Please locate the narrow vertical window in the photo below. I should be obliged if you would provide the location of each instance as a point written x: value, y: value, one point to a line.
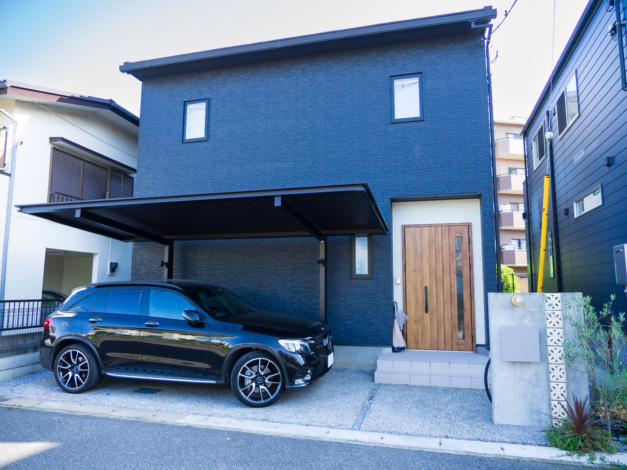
x: 3, y: 147
x: 568, y: 105
x: 537, y: 147
x: 362, y: 259
x: 196, y: 121
x: 407, y: 98
x: 459, y: 277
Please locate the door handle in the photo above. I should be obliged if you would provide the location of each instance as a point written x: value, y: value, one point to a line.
x: 152, y: 323
x: 426, y: 299
x: 95, y: 320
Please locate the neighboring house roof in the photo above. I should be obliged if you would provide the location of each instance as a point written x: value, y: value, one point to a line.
x: 20, y: 91
x: 329, y: 42
x: 569, y: 50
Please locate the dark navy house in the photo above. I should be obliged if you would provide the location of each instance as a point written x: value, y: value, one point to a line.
x: 327, y: 176
x: 577, y: 135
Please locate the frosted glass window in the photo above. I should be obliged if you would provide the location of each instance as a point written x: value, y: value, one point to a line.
x: 407, y: 98
x: 590, y: 201
x: 196, y: 114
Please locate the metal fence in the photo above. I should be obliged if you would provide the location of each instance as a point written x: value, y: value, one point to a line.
x: 21, y: 323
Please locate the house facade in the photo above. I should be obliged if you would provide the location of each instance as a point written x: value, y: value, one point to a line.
x: 510, y: 174
x: 395, y: 107
x: 576, y: 135
x: 57, y: 146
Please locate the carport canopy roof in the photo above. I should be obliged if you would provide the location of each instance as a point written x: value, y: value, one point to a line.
x: 315, y: 211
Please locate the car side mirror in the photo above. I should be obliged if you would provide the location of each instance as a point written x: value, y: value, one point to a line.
x: 192, y: 316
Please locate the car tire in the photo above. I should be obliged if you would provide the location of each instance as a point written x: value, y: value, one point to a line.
x: 76, y: 369
x: 257, y: 379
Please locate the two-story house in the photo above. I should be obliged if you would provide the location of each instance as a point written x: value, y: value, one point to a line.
x: 576, y: 135
x: 58, y: 146
x: 326, y: 176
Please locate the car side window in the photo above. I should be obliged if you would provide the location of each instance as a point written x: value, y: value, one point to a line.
x: 165, y: 304
x: 86, y: 303
x: 121, y: 301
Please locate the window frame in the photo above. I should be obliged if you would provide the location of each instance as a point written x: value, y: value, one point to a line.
x: 206, y: 128
x: 354, y: 274
x: 578, y: 214
x: 4, y: 139
x: 563, y: 97
x: 535, y: 143
x: 421, y: 117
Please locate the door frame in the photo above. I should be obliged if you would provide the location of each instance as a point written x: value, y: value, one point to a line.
x: 471, y: 327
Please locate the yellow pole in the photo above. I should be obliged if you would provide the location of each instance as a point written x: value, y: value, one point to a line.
x: 545, y: 215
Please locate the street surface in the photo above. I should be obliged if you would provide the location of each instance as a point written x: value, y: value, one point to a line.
x: 35, y: 439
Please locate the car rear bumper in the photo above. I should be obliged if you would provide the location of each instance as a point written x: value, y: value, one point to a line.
x: 45, y: 356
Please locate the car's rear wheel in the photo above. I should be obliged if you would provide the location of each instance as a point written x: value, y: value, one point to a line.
x: 76, y: 369
x: 257, y: 379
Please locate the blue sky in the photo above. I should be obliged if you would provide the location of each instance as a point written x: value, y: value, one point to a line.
x: 78, y: 45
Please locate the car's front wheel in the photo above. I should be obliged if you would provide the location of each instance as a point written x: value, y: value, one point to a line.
x: 76, y: 369
x: 257, y: 379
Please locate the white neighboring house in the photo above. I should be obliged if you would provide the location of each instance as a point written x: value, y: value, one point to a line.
x: 56, y: 147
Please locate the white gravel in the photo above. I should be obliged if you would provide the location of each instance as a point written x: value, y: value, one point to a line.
x: 344, y: 399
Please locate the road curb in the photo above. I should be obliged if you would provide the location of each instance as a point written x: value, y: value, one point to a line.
x: 457, y: 446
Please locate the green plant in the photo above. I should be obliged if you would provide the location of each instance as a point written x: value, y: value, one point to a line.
x: 509, y: 279
x: 598, y: 348
x: 581, y: 432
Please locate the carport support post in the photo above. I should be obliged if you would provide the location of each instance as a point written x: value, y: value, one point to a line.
x: 168, y: 261
x: 323, y: 280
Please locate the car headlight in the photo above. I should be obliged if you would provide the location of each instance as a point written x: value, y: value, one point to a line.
x: 299, y: 346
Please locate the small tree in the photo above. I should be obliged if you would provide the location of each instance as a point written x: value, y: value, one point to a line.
x: 509, y: 279
x: 599, y: 347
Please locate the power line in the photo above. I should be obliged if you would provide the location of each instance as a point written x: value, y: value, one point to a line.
x: 507, y: 12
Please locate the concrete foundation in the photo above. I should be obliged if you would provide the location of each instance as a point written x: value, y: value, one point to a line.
x: 19, y: 366
x: 358, y: 357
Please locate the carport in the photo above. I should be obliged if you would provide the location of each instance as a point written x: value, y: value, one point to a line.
x: 318, y: 212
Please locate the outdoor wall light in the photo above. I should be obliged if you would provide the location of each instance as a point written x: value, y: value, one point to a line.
x: 548, y: 135
x: 517, y: 300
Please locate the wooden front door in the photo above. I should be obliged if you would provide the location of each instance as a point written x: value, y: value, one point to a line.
x: 437, y: 262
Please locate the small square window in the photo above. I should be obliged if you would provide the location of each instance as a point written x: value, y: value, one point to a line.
x: 362, y: 257
x: 196, y: 121
x: 407, y: 98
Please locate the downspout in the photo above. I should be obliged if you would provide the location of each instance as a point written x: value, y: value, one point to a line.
x: 7, y: 225
x: 621, y: 51
x: 497, y: 238
x: 555, y: 238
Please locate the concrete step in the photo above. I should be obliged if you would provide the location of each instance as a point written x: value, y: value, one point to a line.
x: 431, y: 368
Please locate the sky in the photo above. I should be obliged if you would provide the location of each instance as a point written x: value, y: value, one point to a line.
x: 78, y: 46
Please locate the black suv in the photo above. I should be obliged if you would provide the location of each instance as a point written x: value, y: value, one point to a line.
x: 181, y: 331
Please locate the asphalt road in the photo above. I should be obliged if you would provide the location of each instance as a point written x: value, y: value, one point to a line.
x: 35, y: 439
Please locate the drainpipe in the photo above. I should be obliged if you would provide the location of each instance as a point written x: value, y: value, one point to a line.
x: 497, y: 238
x: 619, y: 33
x: 556, y: 238
x: 7, y: 225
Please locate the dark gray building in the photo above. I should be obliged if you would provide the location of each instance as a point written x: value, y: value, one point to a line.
x: 325, y: 176
x: 577, y: 134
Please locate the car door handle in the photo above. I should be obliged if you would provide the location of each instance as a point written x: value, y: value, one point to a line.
x: 95, y: 320
x: 152, y: 323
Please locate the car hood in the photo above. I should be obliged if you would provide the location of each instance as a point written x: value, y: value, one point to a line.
x: 277, y: 324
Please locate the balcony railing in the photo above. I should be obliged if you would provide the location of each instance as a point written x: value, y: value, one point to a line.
x: 510, y: 148
x: 60, y: 197
x: 512, y: 220
x: 510, y: 184
x: 513, y: 256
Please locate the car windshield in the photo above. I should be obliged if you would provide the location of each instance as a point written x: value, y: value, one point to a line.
x: 217, y: 302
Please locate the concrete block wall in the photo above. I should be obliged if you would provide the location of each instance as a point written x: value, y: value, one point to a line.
x: 19, y: 366
x: 527, y: 393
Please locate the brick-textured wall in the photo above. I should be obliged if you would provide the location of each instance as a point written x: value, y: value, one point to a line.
x: 317, y: 121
